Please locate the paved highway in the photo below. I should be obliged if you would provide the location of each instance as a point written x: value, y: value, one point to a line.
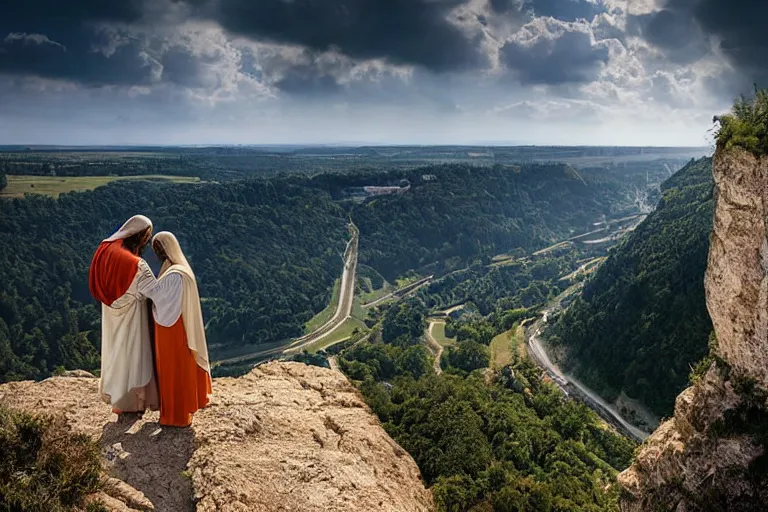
x: 346, y: 296
x: 568, y: 383
x: 343, y: 310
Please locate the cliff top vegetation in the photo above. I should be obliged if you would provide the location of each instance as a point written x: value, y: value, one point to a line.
x: 746, y: 126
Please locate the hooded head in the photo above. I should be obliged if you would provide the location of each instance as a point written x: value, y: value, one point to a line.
x: 167, y: 248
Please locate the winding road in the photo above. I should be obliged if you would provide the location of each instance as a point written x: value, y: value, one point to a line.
x: 343, y: 310
x: 567, y: 383
x: 346, y: 297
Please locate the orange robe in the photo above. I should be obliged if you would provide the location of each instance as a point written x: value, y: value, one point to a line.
x: 184, y: 386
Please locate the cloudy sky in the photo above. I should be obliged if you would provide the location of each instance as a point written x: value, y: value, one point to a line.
x: 615, y: 72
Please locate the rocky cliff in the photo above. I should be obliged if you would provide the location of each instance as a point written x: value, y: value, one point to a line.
x: 284, y: 437
x: 712, y: 454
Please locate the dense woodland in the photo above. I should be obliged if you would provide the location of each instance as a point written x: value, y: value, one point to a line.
x: 519, y: 284
x: 266, y: 251
x: 513, y: 443
x: 469, y: 213
x: 641, y: 323
x: 265, y: 254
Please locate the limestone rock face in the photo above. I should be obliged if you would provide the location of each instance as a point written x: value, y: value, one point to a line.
x: 707, y: 457
x: 285, y: 437
x: 737, y: 271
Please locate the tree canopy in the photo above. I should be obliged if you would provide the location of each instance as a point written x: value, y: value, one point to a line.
x: 641, y: 322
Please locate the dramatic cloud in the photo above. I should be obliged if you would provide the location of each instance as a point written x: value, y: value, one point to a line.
x: 566, y: 10
x: 417, y: 32
x: 552, y: 52
x: 438, y: 70
x: 57, y: 39
x: 688, y: 29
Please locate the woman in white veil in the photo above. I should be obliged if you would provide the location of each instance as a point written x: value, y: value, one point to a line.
x: 183, y: 369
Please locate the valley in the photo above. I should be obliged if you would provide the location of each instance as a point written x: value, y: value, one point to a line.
x: 445, y: 286
x: 404, y: 256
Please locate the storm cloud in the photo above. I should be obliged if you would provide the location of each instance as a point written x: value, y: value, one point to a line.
x: 64, y: 40
x: 566, y: 10
x: 416, y: 32
x: 438, y: 61
x: 551, y: 52
x: 687, y: 29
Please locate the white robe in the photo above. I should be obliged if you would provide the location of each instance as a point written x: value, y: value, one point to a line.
x: 176, y: 295
x: 127, y: 369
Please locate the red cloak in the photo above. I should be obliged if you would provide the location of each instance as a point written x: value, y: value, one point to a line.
x: 113, y: 269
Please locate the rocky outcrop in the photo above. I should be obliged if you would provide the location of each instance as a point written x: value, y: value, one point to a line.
x: 711, y: 454
x: 285, y: 437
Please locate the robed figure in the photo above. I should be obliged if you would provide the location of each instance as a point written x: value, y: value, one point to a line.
x: 121, y: 280
x: 181, y: 352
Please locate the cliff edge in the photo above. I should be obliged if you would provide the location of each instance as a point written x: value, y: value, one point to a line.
x: 285, y: 437
x: 712, y: 454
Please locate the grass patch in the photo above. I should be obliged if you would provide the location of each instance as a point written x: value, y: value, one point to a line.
x: 438, y: 333
x: 55, y: 185
x: 505, y: 346
x: 402, y: 282
x: 44, y: 467
x: 322, y: 317
x: 341, y: 333
x: 373, y: 295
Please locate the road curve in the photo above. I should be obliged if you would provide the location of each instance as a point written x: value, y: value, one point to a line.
x: 568, y: 383
x: 346, y: 296
x: 343, y: 310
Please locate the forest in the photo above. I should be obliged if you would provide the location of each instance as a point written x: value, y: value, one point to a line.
x: 264, y: 253
x: 518, y: 284
x: 471, y: 213
x: 505, y: 441
x: 641, y: 322
x: 267, y: 250
x: 266, y: 242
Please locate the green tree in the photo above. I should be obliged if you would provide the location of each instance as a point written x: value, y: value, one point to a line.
x: 641, y: 322
x: 414, y: 361
x: 468, y: 356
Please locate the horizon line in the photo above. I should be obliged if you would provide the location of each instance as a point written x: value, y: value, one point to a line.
x: 340, y: 145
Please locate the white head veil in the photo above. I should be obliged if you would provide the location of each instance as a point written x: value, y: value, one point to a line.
x: 173, y: 252
x: 135, y: 224
x: 191, y: 310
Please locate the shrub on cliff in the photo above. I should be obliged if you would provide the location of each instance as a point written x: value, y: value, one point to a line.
x: 44, y: 467
x: 746, y: 126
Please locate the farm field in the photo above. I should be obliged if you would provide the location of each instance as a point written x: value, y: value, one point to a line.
x: 438, y: 332
x: 55, y: 185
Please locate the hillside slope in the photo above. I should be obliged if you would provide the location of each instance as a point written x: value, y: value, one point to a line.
x: 469, y: 212
x: 284, y: 437
x: 266, y: 252
x: 641, y: 322
x: 711, y: 455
